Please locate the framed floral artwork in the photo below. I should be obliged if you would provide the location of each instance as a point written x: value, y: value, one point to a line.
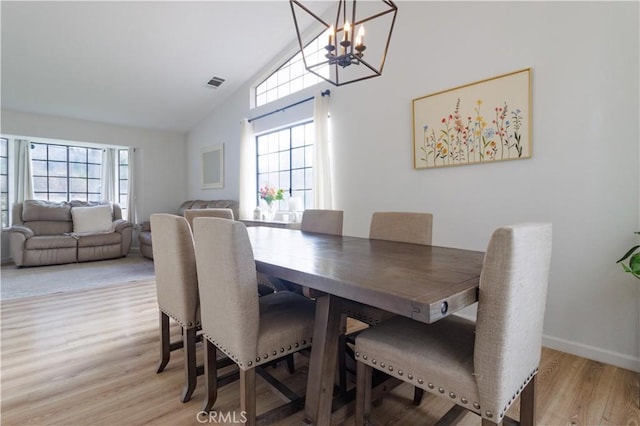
x: 481, y: 122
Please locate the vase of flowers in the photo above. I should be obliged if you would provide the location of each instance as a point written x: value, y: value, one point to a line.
x: 270, y: 194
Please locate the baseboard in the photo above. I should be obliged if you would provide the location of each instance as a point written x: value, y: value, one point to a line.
x: 585, y: 351
x: 591, y: 352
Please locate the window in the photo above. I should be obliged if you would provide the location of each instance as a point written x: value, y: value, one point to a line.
x: 123, y: 180
x: 65, y: 173
x: 4, y: 181
x: 292, y: 76
x: 284, y: 160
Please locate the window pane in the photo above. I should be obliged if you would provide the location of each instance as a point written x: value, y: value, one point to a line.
x: 58, y: 185
x: 53, y: 196
x: 78, y: 170
x: 263, y: 164
x: 57, y: 153
x: 308, y: 155
x: 39, y: 168
x: 297, y: 158
x: 297, y: 179
x: 40, y: 184
x: 57, y: 169
x: 94, y: 197
x: 95, y: 185
x: 3, y: 184
x: 94, y: 156
x: 297, y: 136
x: 81, y: 196
x: 77, y: 154
x: 77, y: 185
x: 123, y: 172
x: 284, y: 160
x: 95, y: 171
x: 3, y: 165
x: 124, y: 186
x: 124, y: 156
x: 38, y: 151
x: 284, y: 139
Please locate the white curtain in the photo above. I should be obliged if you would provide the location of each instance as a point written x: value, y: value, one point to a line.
x: 322, y: 159
x: 108, y: 184
x: 248, y: 190
x: 132, y: 214
x: 24, y: 181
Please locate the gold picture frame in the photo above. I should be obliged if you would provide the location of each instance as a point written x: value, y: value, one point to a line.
x: 481, y: 122
x: 213, y: 167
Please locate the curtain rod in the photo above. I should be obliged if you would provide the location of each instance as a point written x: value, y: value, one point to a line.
x: 266, y: 114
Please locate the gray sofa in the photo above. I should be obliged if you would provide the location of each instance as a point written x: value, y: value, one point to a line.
x: 44, y: 233
x: 144, y: 237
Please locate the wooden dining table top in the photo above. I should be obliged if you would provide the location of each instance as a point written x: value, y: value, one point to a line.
x: 421, y: 282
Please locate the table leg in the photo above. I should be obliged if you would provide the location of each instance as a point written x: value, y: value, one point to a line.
x: 322, y: 363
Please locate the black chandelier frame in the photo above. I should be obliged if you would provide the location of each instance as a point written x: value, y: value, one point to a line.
x: 353, y: 54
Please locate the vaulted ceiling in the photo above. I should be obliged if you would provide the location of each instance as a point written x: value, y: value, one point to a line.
x: 143, y: 64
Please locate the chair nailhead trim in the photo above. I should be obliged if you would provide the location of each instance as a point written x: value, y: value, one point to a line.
x: 274, y: 353
x: 441, y: 390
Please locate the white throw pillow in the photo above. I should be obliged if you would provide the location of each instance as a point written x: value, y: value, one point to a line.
x: 92, y: 220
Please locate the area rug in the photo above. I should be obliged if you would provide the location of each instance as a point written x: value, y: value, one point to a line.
x: 35, y: 281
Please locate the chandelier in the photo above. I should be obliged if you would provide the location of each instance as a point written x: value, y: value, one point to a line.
x: 334, y: 43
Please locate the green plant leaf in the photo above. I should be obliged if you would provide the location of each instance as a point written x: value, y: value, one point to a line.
x: 629, y: 253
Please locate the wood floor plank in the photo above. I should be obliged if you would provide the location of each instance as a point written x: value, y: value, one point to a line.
x: 88, y: 357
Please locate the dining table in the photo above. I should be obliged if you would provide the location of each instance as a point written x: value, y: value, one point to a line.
x: 425, y: 283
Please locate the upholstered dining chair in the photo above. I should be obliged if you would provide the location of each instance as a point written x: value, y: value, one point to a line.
x: 177, y: 291
x: 322, y: 221
x: 190, y: 214
x: 250, y: 330
x: 483, y: 366
x: 177, y: 294
x: 406, y: 227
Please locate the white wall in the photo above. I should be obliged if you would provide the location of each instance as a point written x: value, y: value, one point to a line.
x: 583, y: 177
x: 161, y: 175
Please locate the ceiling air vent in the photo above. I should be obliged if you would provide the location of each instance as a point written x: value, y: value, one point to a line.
x: 215, y: 82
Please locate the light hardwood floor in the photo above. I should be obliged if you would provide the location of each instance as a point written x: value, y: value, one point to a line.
x: 89, y: 358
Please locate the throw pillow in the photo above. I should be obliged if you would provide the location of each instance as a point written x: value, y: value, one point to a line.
x: 92, y: 220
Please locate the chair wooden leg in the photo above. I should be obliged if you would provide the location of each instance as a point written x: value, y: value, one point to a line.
x: 210, y: 376
x: 191, y: 374
x: 342, y: 363
x: 363, y: 393
x: 290, y: 364
x: 165, y: 351
x: 528, y: 404
x: 417, y: 395
x: 248, y: 395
